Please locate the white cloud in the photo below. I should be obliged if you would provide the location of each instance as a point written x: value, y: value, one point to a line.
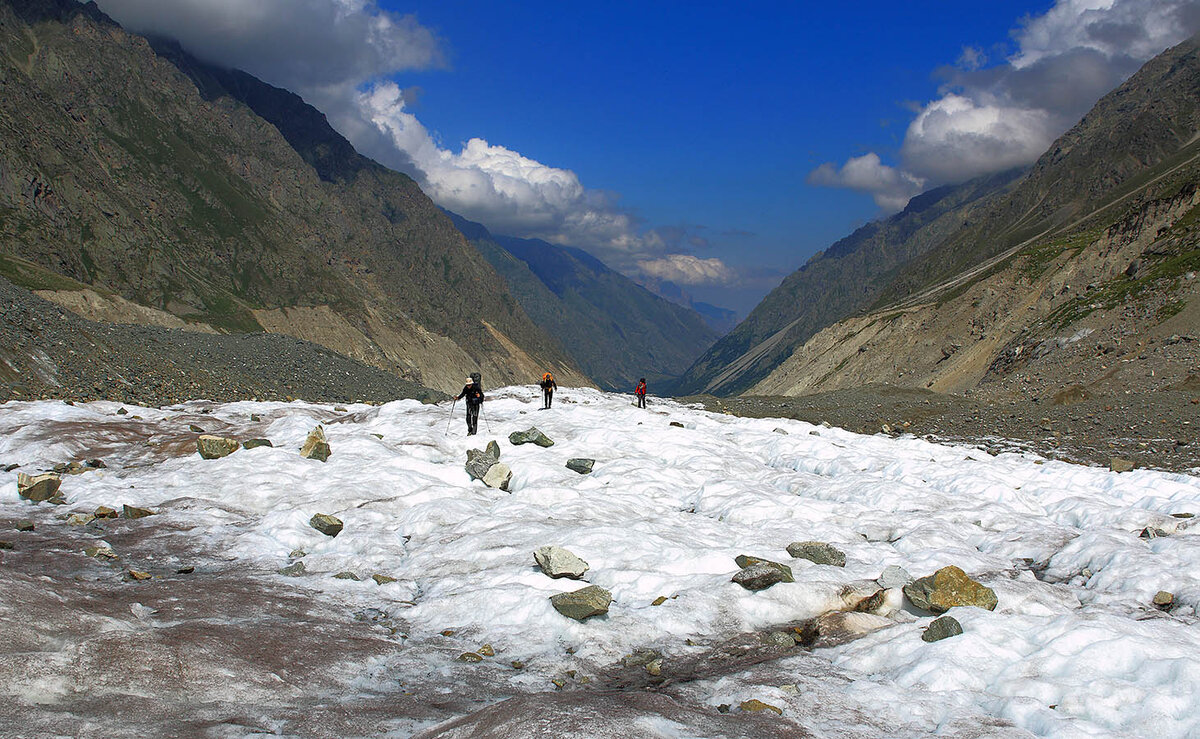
x: 891, y: 187
x: 685, y: 269
x: 990, y: 119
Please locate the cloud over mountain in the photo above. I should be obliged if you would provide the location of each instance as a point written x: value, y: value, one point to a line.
x: 989, y: 119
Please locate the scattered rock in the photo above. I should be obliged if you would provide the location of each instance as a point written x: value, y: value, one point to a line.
x: 498, y: 476
x: 862, y: 595
x: 818, y: 552
x: 382, y: 579
x: 582, y: 604
x: 894, y: 576
x: 641, y: 657
x: 256, y: 443
x: 677, y: 424
x: 215, y: 447
x: 104, y: 512
x: 122, y: 412
x: 487, y: 651
x: 11, y: 467
x: 1117, y: 464
x: 479, y: 462
x: 1164, y: 601
x: 194, y: 428
x: 347, y: 575
x: 754, y: 706
x: 654, y: 667
x: 129, y: 511
x: 6, y: 545
x: 659, y: 600
x: 558, y: 562
x: 779, y: 639
x: 940, y: 628
x: 295, y: 569
x: 297, y: 554
x: 339, y: 409
x: 759, y: 576
x: 493, y: 449
x: 1153, y: 532
x: 947, y: 588
x: 745, y: 560
x: 103, y: 551
x: 140, y: 575
x: 25, y: 525
x: 254, y: 417
x: 80, y: 519
x: 315, y: 446
x: 38, y: 488
x: 470, y: 657
x: 779, y: 431
x: 530, y: 436
x: 326, y: 524
x: 581, y: 465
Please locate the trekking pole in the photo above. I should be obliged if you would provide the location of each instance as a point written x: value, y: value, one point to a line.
x: 485, y: 421
x: 451, y: 416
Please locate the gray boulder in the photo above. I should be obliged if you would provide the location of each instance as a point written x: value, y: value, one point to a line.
x: 129, y: 511
x: 215, y: 447
x: 558, y: 562
x: 326, y: 524
x: 894, y: 576
x: 580, y: 465
x: 745, y: 560
x: 256, y: 443
x: 530, y: 436
x: 493, y: 449
x: 479, y: 462
x: 818, y: 552
x: 582, y: 604
x: 947, y: 588
x: 498, y: 476
x: 315, y: 446
x: 942, y: 628
x: 759, y: 576
x: 38, y: 487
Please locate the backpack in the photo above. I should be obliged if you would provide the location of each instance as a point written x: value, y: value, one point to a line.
x: 547, y: 379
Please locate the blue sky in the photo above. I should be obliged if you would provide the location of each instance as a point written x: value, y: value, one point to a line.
x: 713, y: 146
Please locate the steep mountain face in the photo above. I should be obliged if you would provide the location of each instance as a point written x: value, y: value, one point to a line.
x: 847, y: 277
x: 228, y: 203
x: 1081, y: 281
x: 616, y: 330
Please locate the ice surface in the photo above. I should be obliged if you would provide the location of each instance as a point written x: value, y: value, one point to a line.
x: 1075, y: 647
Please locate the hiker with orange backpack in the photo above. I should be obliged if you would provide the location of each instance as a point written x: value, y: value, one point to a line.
x: 640, y: 392
x: 548, y: 386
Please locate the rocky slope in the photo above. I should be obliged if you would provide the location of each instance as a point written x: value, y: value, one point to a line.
x: 616, y: 330
x: 222, y: 201
x: 1101, y: 299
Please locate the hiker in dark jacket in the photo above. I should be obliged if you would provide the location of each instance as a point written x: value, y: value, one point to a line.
x: 640, y: 392
x: 473, y: 392
x: 548, y: 386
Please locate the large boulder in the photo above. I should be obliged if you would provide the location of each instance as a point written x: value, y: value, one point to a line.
x: 326, y: 524
x: 558, y: 562
x: 581, y: 465
x: 582, y: 604
x: 942, y: 627
x: 480, y: 461
x: 498, y: 476
x: 315, y: 446
x: 530, y: 436
x: 746, y: 560
x: 947, y: 588
x: 215, y: 447
x: 38, y: 487
x: 759, y: 576
x: 818, y: 552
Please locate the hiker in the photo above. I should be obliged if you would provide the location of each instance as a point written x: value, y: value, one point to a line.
x: 548, y: 386
x: 640, y: 392
x: 473, y: 392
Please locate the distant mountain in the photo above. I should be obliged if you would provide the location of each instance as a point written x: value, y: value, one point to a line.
x: 616, y: 330
x: 1082, y: 280
x: 847, y: 277
x: 145, y: 174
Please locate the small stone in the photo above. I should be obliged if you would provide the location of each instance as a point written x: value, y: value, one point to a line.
x: 492, y: 449
x: 6, y: 545
x: 297, y: 554
x: 1164, y: 600
x: 378, y: 436
x: 38, y: 487
x: 469, y: 657
x: 448, y: 632
x: 818, y: 552
x: 1153, y: 532
x: 894, y: 576
x: 530, y: 436
x: 759, y: 577
x: 745, y: 560
x: 754, y: 706
x: 122, y: 412
x: 659, y: 600
x: 677, y: 424
x: 583, y: 603
x: 326, y: 524
x: 295, y: 569
x: 557, y: 562
x: 724, y: 708
x: 80, y: 519
x: 1117, y: 464
x: 487, y: 651
x: 129, y: 511
x: 25, y: 525
x: 779, y: 639
x: 104, y: 512
x: 255, y: 417
x: 517, y: 664
x: 347, y: 575
x: 947, y: 588
x: 382, y: 579
x: 215, y: 447
x: 581, y: 465
x: 655, y: 667
x: 103, y: 551
x: 942, y: 628
x: 96, y: 464
x: 779, y: 431
x: 140, y: 575
x: 315, y: 445
x: 185, y: 570
x: 498, y: 476
x: 193, y: 427
x: 339, y: 409
x: 256, y: 443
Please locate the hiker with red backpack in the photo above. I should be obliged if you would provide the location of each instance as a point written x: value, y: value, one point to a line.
x: 473, y: 392
x: 640, y: 392
x: 548, y: 386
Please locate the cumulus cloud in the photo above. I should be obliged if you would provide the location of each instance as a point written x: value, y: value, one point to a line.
x: 988, y: 119
x: 685, y: 269
x: 891, y: 187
